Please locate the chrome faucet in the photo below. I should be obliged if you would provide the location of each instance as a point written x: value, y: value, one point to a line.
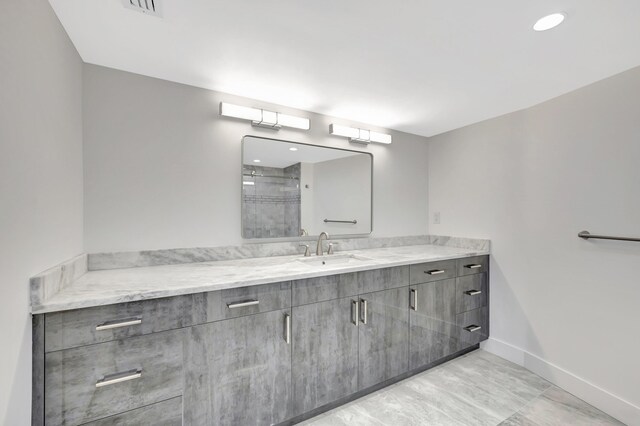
x: 319, y: 251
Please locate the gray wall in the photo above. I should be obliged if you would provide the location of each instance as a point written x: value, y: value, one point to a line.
x: 162, y: 168
x: 342, y: 191
x: 530, y: 181
x: 40, y: 177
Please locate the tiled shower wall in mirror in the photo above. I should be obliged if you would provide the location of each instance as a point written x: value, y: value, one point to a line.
x: 270, y: 201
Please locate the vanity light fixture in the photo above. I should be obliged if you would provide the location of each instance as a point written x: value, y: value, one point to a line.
x: 263, y: 118
x: 293, y: 148
x: 550, y: 21
x: 359, y: 135
x: 256, y: 161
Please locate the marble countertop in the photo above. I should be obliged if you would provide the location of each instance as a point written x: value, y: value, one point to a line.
x: 96, y: 288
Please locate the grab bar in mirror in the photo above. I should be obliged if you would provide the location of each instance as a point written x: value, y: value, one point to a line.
x: 254, y: 175
x: 586, y: 235
x: 340, y: 221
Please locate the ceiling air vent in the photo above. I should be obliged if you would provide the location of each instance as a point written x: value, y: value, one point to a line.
x: 148, y: 7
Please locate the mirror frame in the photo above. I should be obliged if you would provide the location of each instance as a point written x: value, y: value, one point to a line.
x: 307, y: 237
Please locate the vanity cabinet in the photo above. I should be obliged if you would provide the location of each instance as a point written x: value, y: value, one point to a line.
x: 165, y: 413
x: 238, y: 371
x: 257, y: 355
x: 325, y: 352
x: 472, y: 300
x: 383, y: 336
x: 473, y: 326
x: 434, y: 333
x: 92, y: 382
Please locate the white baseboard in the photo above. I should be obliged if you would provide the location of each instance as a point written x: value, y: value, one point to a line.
x: 611, y: 404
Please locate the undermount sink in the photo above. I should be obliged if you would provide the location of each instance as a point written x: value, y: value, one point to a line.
x: 333, y: 260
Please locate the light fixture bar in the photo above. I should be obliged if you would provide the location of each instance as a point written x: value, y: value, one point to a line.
x: 357, y: 135
x: 263, y: 118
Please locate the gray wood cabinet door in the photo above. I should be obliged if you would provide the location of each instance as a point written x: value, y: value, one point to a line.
x: 383, y: 335
x: 325, y: 353
x: 433, y: 329
x: 238, y: 371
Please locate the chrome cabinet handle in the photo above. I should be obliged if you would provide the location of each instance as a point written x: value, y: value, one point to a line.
x: 287, y: 328
x: 354, y: 312
x: 473, y: 266
x: 472, y: 328
x: 435, y: 272
x: 473, y: 292
x: 108, y: 325
x: 112, y: 379
x: 242, y: 304
x: 364, y: 311
x: 414, y: 299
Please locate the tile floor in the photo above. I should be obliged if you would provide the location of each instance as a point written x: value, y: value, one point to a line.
x: 476, y: 389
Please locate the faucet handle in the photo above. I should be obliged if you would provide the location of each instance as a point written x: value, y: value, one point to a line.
x: 331, y: 245
x: 307, y: 253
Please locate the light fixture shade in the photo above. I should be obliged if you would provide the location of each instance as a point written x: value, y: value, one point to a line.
x: 263, y: 118
x: 364, y: 135
x: 346, y: 131
x: 269, y: 118
x: 380, y: 137
x: 237, y: 111
x: 293, y: 121
x: 359, y: 135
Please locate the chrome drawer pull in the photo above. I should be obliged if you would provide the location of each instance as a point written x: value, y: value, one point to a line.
x: 472, y: 328
x: 435, y: 272
x: 242, y: 304
x: 108, y: 325
x: 473, y: 266
x: 287, y: 328
x: 473, y: 292
x: 354, y: 312
x: 414, y: 299
x: 364, y: 311
x: 112, y: 379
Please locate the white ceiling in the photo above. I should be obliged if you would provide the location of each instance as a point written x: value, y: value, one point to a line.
x: 273, y: 153
x: 420, y: 66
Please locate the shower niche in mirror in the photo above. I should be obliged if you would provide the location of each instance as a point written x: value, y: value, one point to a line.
x: 294, y: 190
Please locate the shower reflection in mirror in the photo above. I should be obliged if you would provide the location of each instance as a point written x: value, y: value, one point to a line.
x: 289, y: 189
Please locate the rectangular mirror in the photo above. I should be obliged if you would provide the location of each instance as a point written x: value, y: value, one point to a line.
x: 291, y: 190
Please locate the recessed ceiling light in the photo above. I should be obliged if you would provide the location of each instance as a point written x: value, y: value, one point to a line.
x: 549, y: 21
x: 256, y: 161
x: 293, y: 149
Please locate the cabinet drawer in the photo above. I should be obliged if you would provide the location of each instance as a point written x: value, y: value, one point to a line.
x: 383, y: 279
x: 468, y: 323
x: 79, y: 327
x: 238, y: 302
x: 320, y: 289
x: 432, y: 271
x: 93, y: 382
x: 471, y: 292
x: 473, y: 265
x: 165, y: 413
